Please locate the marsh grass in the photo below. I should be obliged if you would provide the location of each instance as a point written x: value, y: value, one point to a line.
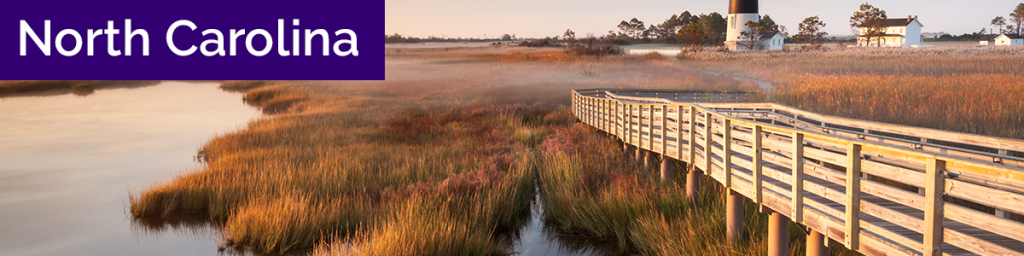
x: 591, y: 189
x: 361, y: 170
x: 439, y: 156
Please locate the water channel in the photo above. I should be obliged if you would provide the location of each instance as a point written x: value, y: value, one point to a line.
x: 68, y: 161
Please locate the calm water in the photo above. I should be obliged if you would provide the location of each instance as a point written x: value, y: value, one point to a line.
x: 67, y: 163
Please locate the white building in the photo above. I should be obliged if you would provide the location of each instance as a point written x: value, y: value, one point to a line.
x: 898, y: 33
x: 772, y: 41
x: 1009, y: 39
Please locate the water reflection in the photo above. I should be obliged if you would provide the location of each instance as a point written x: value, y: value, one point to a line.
x: 67, y: 163
x: 540, y: 239
x: 83, y: 89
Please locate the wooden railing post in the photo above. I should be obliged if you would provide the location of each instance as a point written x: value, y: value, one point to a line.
x: 679, y: 132
x: 935, y: 186
x: 798, y: 177
x: 853, y: 196
x: 600, y: 116
x: 707, y: 142
x: 650, y: 128
x: 664, y: 139
x: 1000, y: 212
x: 629, y: 123
x: 727, y: 153
x: 693, y: 136
x: 590, y: 111
x: 618, y: 120
x: 757, y: 175
x: 640, y: 127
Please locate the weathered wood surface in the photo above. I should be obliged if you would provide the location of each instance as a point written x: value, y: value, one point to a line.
x: 881, y: 189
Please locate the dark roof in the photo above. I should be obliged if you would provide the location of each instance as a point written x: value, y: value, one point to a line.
x: 901, y: 22
x: 769, y: 34
x: 1013, y: 36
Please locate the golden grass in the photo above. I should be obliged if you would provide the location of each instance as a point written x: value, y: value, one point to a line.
x: 591, y: 189
x: 434, y: 160
x: 987, y: 104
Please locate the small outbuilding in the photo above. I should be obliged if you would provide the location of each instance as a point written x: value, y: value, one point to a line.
x: 772, y: 41
x: 1009, y: 39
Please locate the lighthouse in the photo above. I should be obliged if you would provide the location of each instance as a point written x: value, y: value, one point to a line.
x: 740, y: 12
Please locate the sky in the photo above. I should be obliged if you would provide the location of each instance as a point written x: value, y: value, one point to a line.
x: 542, y: 18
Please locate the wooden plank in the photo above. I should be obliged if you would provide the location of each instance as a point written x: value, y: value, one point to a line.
x: 831, y: 228
x: 903, y: 175
x: 984, y: 195
x: 906, y: 221
x: 982, y: 220
x: 825, y: 192
x: 825, y: 156
x: 871, y: 246
x: 893, y: 194
x: 743, y: 187
x: 777, y: 203
x: 974, y: 245
x: 756, y: 154
x: 900, y: 240
x: 797, y: 177
x: 853, y: 197
x: 933, y: 215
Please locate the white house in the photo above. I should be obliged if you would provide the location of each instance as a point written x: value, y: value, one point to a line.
x: 771, y: 41
x: 1009, y: 39
x: 898, y: 33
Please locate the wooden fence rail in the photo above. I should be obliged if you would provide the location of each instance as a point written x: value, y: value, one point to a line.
x: 877, y: 188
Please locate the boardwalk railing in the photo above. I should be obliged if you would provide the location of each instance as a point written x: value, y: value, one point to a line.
x: 880, y: 189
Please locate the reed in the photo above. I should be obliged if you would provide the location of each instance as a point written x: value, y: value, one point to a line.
x: 589, y: 188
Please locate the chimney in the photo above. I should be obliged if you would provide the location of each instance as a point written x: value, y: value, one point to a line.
x: 909, y: 18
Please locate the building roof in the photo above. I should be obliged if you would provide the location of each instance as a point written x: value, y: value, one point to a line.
x: 769, y: 34
x: 1013, y: 36
x: 900, y: 22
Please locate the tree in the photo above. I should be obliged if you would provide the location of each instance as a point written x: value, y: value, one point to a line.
x: 871, y: 21
x: 766, y: 23
x: 634, y: 28
x: 570, y: 37
x: 692, y: 35
x: 751, y: 33
x: 1000, y: 23
x: 1017, y: 17
x: 811, y: 31
x: 714, y: 27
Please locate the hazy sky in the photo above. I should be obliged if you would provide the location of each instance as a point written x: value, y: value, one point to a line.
x: 540, y: 18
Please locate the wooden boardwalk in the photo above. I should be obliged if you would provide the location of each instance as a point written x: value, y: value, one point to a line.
x: 879, y: 189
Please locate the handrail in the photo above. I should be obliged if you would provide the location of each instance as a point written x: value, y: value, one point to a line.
x: 877, y: 188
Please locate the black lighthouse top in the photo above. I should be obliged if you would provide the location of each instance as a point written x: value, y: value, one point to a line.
x: 742, y: 6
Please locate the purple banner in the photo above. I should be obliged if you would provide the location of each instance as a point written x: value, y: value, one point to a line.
x: 192, y: 40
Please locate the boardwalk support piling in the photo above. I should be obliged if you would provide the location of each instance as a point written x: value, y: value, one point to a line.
x: 666, y: 169
x: 648, y: 159
x: 778, y: 234
x: 734, y: 216
x: 693, y: 185
x: 639, y: 156
x: 816, y: 244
